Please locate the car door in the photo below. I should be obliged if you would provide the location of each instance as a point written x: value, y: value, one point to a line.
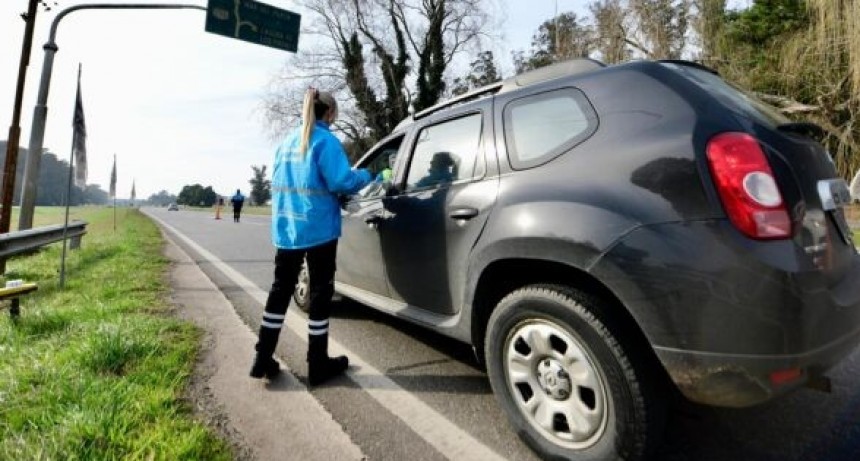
x: 359, y: 254
x: 441, y: 205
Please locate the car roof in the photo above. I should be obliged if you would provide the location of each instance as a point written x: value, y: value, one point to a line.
x: 554, y: 71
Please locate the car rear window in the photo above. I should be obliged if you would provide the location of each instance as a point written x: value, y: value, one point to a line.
x: 732, y: 96
x: 542, y: 126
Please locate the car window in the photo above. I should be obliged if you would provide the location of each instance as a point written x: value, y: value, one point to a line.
x: 446, y: 152
x: 380, y: 159
x: 540, y: 127
x: 734, y: 97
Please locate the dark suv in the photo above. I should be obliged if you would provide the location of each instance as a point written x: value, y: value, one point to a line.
x: 601, y: 234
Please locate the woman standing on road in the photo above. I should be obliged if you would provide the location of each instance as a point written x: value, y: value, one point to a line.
x: 310, y: 170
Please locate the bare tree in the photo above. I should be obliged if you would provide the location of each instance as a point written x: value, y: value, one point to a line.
x: 610, y: 32
x: 387, y: 56
x: 661, y: 27
x: 483, y: 71
x: 708, y: 25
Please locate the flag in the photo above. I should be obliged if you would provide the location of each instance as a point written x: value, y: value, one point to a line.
x: 79, y: 139
x: 133, y: 195
x: 113, y: 179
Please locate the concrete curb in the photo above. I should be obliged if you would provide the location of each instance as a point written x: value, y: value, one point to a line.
x: 275, y: 420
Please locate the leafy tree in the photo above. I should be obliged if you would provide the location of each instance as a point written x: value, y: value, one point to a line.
x: 162, y: 198
x: 766, y: 21
x: 564, y: 37
x: 261, y: 188
x: 93, y: 194
x: 483, y: 72
x: 53, y: 182
x: 197, y: 195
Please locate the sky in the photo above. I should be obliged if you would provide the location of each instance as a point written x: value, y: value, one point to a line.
x: 175, y: 104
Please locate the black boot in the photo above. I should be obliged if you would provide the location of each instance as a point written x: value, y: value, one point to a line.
x: 264, y: 364
x: 321, y: 367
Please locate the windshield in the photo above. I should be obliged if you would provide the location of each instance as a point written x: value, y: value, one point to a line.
x: 734, y: 97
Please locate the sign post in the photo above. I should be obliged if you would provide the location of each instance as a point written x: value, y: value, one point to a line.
x: 254, y: 22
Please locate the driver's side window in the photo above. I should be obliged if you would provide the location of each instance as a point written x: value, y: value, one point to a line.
x: 381, y: 159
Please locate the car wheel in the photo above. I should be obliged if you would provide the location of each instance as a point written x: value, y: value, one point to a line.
x: 568, y: 379
x: 302, y: 291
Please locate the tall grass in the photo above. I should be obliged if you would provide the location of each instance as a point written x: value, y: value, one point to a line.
x: 98, y: 371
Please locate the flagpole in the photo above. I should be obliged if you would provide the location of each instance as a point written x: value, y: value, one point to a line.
x: 69, y: 195
x: 113, y: 190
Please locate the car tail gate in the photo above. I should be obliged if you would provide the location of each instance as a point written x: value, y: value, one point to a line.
x: 778, y: 184
x: 822, y: 230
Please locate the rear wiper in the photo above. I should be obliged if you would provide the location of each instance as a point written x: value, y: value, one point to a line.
x: 808, y: 129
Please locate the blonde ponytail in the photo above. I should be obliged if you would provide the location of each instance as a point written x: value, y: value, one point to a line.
x: 318, y: 104
x: 308, y: 119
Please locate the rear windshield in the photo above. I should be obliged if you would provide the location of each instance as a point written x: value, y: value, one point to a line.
x: 732, y: 96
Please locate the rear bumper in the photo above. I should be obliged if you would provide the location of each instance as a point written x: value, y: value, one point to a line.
x: 733, y: 322
x: 733, y: 380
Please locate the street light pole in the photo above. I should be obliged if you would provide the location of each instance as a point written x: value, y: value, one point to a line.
x: 40, y: 112
x: 11, y: 163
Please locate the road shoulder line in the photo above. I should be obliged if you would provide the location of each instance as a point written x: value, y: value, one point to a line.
x: 446, y: 437
x: 272, y: 418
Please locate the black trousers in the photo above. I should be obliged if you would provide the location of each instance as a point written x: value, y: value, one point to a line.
x: 237, y: 210
x: 288, y: 264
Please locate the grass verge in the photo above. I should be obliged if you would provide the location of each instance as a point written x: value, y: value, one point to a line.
x: 98, y: 370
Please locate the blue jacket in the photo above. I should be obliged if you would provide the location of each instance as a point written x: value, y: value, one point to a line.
x: 305, y: 186
x: 237, y: 200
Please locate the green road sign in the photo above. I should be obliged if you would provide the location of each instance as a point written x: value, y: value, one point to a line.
x: 254, y: 22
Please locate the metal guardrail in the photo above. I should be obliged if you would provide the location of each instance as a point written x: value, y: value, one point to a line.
x: 19, y: 242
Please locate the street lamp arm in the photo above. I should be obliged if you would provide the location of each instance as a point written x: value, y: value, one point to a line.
x: 114, y: 6
x: 40, y: 111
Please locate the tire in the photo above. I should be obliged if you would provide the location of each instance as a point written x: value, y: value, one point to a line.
x: 302, y: 292
x: 574, y: 384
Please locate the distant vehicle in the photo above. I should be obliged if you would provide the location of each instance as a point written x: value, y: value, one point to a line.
x: 173, y: 207
x: 604, y: 234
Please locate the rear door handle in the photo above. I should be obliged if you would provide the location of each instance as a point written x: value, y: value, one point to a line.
x: 463, y: 213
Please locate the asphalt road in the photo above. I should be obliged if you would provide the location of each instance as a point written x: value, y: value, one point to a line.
x: 421, y: 396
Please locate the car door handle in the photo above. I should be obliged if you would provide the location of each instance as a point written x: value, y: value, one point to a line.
x: 463, y: 213
x: 373, y: 219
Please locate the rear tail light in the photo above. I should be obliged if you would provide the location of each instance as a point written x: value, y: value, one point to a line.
x: 747, y: 187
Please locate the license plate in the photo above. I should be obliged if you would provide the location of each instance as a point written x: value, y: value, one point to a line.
x: 834, y: 194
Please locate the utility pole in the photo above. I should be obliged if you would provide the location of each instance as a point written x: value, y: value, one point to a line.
x: 40, y: 112
x: 11, y: 163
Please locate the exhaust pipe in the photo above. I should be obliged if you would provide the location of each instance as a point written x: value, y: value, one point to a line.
x: 819, y: 383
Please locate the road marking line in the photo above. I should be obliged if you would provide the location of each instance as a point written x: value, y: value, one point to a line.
x: 445, y: 436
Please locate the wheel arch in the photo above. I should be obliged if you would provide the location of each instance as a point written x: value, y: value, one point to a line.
x: 501, y: 277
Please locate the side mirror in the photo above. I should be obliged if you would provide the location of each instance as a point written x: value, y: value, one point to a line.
x: 391, y: 189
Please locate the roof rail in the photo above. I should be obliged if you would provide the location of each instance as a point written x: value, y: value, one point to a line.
x: 474, y: 94
x: 559, y: 69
